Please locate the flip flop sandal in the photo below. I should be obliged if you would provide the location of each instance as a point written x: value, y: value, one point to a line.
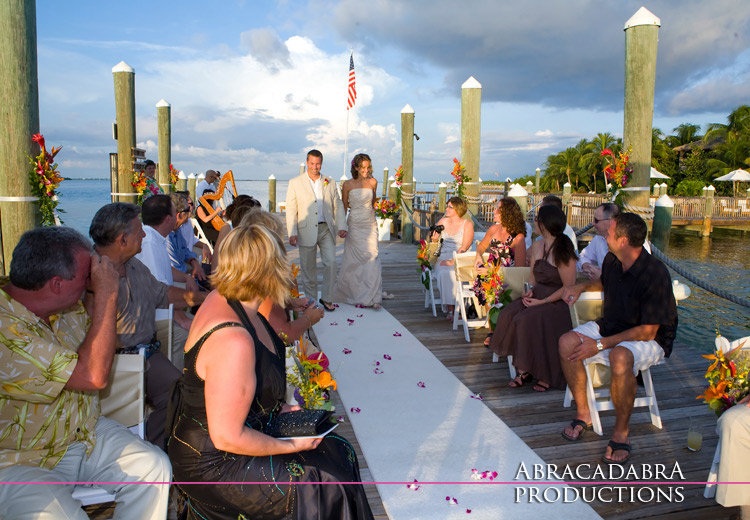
x: 327, y: 305
x: 573, y: 424
x: 487, y: 340
x: 520, y: 380
x: 539, y: 387
x: 617, y: 446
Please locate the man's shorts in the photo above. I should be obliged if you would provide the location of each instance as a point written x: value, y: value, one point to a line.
x: 645, y: 353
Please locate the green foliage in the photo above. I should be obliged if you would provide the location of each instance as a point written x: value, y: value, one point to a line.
x: 689, y: 188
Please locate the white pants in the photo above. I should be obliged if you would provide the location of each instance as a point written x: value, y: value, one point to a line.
x: 309, y: 268
x: 645, y: 353
x: 118, y: 456
x: 734, y: 466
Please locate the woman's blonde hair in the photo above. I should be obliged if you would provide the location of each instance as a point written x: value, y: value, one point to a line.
x: 459, y: 205
x: 265, y: 219
x: 253, y: 265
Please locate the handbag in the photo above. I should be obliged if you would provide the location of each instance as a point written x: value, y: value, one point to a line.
x: 302, y: 423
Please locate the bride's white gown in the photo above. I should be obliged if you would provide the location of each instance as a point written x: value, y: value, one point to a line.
x: 359, y: 280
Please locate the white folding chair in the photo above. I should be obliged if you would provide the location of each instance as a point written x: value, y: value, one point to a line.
x: 725, y: 346
x: 200, y: 234
x: 429, y: 293
x: 463, y: 266
x: 123, y: 400
x: 514, y: 278
x: 167, y: 315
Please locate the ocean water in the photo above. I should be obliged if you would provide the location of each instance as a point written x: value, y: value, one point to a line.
x: 722, y: 259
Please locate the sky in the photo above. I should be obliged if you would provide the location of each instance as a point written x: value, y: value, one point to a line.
x: 253, y: 85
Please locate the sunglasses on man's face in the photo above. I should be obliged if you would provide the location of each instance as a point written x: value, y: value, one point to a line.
x: 597, y: 220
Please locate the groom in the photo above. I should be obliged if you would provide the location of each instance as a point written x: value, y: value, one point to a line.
x: 314, y: 214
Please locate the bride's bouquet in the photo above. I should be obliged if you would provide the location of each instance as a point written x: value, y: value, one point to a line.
x: 385, y: 208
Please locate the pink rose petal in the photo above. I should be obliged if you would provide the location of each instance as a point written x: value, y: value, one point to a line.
x: 378, y: 371
x: 340, y: 418
x: 386, y: 356
x: 360, y: 315
x: 421, y: 384
x: 415, y: 486
x: 468, y: 510
x: 354, y: 409
x: 346, y: 351
x: 397, y: 334
x: 335, y: 305
x: 334, y: 323
x: 477, y: 396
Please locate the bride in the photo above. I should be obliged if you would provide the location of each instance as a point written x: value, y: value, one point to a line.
x: 359, y: 281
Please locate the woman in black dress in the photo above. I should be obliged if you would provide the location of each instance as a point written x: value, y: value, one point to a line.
x: 233, y: 385
x: 532, y: 325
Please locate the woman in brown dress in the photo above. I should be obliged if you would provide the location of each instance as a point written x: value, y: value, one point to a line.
x: 532, y: 325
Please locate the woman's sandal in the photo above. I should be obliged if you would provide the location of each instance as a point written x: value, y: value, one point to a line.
x: 573, y: 424
x: 520, y: 380
x: 616, y: 446
x: 487, y: 340
x: 540, y: 387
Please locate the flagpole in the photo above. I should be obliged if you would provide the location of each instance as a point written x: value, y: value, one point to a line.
x: 346, y: 140
x: 351, y: 98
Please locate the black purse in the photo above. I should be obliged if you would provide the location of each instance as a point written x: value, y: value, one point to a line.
x: 302, y: 423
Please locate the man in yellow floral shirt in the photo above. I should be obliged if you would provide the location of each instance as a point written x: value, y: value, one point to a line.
x: 54, y: 359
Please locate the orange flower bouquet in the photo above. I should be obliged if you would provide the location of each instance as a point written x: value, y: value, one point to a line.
x: 173, y: 177
x: 423, y: 263
x: 727, y: 379
x: 459, y: 177
x: 311, y: 378
x: 44, y: 179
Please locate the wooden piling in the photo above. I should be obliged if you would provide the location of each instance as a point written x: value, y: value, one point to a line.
x: 272, y: 193
x: 385, y: 181
x: 442, y: 194
x: 124, y: 78
x: 566, y: 200
x: 407, y: 163
x: 182, y: 184
x: 191, y: 185
x: 663, y: 210
x: 641, y: 41
x: 471, y: 122
x: 708, y: 210
x: 521, y: 196
x: 537, y: 178
x: 164, y: 130
x: 19, y: 120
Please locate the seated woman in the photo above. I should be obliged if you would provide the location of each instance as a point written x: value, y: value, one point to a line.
x: 233, y: 215
x: 529, y: 328
x: 505, y: 243
x: 232, y: 386
x: 205, y: 217
x: 457, y: 236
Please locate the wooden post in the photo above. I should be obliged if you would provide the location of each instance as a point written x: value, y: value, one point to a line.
x: 442, y: 194
x: 507, y: 187
x: 301, y: 168
x: 708, y: 210
x: 19, y: 120
x: 537, y: 178
x: 747, y: 193
x: 566, y: 200
x: 392, y: 189
x: 529, y: 187
x: 663, y: 189
x: 198, y: 178
x: 663, y: 210
x: 385, y: 181
x: 191, y: 185
x: 407, y: 162
x: 656, y: 190
x: 182, y: 184
x: 272, y: 193
x: 521, y: 196
x: 471, y: 122
x: 641, y: 41
x: 124, y: 77
x: 164, y: 122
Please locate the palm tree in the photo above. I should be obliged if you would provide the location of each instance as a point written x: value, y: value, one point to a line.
x: 684, y: 134
x: 585, y: 153
x: 566, y: 161
x: 662, y: 155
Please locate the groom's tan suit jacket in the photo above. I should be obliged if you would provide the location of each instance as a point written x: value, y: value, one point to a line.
x: 302, y: 210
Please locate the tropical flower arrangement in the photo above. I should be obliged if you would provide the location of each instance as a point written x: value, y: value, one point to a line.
x: 294, y: 289
x: 423, y: 263
x: 727, y: 379
x: 617, y: 172
x: 145, y: 186
x: 384, y: 209
x: 492, y: 291
x: 459, y: 177
x: 173, y: 177
x: 311, y: 378
x: 44, y: 179
x: 398, y: 176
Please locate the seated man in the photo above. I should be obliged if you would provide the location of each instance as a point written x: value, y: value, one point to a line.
x: 636, y: 330
x: 188, y: 233
x: 554, y: 200
x: 592, y: 256
x: 181, y: 256
x: 117, y: 233
x: 55, y: 358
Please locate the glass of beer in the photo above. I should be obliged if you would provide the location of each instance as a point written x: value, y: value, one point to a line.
x: 694, y: 436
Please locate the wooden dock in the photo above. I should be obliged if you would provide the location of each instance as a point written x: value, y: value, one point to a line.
x: 538, y: 418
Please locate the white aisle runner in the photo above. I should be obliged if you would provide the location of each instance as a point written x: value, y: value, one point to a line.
x: 416, y: 420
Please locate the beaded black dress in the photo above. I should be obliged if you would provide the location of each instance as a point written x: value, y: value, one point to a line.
x: 260, y: 486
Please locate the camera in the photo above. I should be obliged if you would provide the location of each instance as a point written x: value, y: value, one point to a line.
x: 436, y: 229
x: 527, y: 286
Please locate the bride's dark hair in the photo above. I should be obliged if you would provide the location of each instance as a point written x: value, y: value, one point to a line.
x: 357, y: 162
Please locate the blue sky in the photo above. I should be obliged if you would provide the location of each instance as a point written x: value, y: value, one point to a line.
x: 254, y: 85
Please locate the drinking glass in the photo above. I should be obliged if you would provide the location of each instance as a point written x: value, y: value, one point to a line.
x: 694, y: 436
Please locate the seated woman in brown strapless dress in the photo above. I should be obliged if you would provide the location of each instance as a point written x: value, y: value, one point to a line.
x: 529, y: 328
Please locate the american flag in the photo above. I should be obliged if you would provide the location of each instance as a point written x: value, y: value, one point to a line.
x: 352, y: 83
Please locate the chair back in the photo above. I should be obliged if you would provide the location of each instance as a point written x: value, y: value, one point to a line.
x: 725, y: 345
x: 464, y: 266
x: 514, y: 278
x: 588, y: 307
x: 123, y: 400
